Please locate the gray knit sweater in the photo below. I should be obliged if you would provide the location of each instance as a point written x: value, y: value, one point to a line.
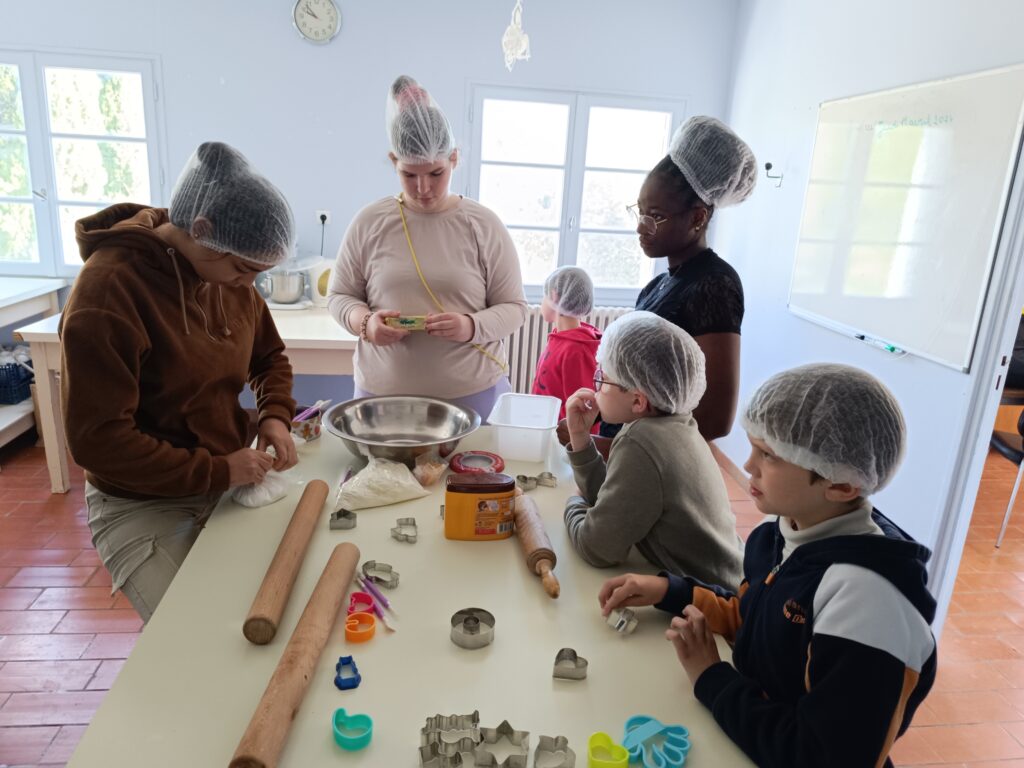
x: 662, y: 491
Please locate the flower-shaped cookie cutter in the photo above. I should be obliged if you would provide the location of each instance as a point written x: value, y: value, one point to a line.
x: 520, y: 740
x: 603, y: 752
x: 529, y: 482
x: 472, y: 628
x: 670, y: 745
x: 405, y: 530
x: 569, y: 666
x: 347, y: 683
x: 352, y: 732
x: 381, y: 574
x: 550, y: 748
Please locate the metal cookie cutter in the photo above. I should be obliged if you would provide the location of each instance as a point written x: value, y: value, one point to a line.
x: 623, y: 621
x: 405, y: 530
x: 552, y: 747
x: 381, y: 574
x: 518, y: 739
x: 569, y: 666
x: 529, y: 482
x: 445, y: 739
x: 472, y: 628
x: 347, y: 683
x: 342, y: 519
x: 654, y: 744
x: 359, y: 627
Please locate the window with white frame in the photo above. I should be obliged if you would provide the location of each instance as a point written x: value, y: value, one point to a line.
x: 77, y: 133
x: 560, y: 168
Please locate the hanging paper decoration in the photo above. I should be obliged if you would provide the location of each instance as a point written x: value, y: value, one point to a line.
x: 515, y: 43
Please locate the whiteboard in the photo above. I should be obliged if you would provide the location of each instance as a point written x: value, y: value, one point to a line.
x: 903, y: 209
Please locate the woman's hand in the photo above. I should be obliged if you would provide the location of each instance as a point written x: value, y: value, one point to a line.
x: 631, y: 589
x: 451, y: 326
x: 694, y: 642
x: 247, y: 466
x: 580, y: 414
x: 274, y: 432
x: 380, y: 333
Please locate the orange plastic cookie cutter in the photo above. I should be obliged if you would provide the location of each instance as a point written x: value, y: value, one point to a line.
x: 360, y: 626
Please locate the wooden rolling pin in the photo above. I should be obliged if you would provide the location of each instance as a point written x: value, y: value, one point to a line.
x: 264, y: 739
x: 540, y: 556
x: 265, y: 614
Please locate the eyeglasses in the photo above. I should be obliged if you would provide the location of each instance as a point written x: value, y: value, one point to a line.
x: 600, y: 380
x: 645, y: 222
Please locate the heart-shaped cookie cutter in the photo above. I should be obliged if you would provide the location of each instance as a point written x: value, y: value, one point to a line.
x: 603, y: 752
x: 552, y: 746
x: 669, y: 750
x: 569, y: 666
x: 529, y: 482
x: 352, y: 732
x: 381, y: 574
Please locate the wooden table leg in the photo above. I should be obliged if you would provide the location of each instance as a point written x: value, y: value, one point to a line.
x: 46, y: 361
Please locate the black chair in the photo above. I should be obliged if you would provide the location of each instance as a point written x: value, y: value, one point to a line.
x: 1011, y: 446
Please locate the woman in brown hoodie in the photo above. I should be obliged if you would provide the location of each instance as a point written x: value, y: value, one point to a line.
x: 159, y: 336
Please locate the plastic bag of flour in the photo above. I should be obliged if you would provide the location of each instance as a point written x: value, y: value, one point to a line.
x: 379, y: 483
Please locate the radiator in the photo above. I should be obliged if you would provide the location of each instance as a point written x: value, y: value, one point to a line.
x: 525, y: 345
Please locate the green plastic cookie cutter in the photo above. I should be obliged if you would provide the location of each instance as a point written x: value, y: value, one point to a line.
x: 352, y: 732
x: 603, y: 752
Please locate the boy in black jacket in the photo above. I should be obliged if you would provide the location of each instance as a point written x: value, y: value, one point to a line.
x: 831, y: 635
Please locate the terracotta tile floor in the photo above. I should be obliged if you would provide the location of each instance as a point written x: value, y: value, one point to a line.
x: 63, y: 637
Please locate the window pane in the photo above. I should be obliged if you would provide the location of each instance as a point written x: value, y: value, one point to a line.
x: 605, y: 197
x: 69, y: 214
x: 101, y: 170
x: 524, y: 132
x: 90, y: 102
x: 526, y: 196
x: 18, y: 232
x: 14, y: 181
x: 633, y: 139
x: 613, y: 260
x: 538, y: 254
x: 11, y: 114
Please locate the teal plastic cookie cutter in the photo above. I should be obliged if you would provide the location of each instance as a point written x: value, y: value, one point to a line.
x: 352, y: 732
x: 603, y: 752
x: 654, y: 744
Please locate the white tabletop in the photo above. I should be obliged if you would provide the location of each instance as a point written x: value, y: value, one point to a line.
x: 40, y: 330
x: 15, y: 289
x: 312, y: 328
x: 186, y: 694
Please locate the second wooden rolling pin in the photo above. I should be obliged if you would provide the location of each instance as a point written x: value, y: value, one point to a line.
x: 265, y: 614
x: 540, y: 556
x: 264, y: 739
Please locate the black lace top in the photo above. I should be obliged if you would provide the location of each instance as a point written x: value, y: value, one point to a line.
x: 702, y: 295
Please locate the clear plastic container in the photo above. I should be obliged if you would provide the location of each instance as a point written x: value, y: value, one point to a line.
x: 524, y: 425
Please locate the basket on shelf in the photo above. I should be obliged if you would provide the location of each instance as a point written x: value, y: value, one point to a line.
x: 15, y: 380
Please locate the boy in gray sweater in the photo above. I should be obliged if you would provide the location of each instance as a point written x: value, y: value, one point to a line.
x: 661, y: 488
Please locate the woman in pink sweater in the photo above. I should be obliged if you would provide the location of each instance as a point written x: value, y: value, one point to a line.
x: 428, y: 253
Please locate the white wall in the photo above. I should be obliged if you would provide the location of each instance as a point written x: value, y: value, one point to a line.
x: 312, y: 118
x: 791, y: 55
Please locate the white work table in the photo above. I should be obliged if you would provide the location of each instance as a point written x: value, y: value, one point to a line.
x: 314, y: 343
x: 189, y: 688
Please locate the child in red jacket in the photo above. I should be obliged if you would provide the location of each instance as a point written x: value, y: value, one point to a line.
x: 568, y: 361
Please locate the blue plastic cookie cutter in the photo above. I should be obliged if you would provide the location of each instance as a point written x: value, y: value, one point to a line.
x: 670, y: 745
x: 347, y: 683
x: 352, y: 732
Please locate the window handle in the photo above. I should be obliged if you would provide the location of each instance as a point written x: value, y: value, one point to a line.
x: 40, y: 193
x: 572, y: 223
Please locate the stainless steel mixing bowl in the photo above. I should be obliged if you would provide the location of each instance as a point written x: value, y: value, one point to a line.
x: 400, y: 427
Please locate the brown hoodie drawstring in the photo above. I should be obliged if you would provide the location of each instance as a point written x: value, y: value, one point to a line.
x: 181, y: 290
x: 223, y: 314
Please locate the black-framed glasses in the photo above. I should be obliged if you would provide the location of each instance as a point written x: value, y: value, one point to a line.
x: 644, y: 221
x: 600, y: 380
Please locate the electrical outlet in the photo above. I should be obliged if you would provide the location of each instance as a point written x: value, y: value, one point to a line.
x: 323, y: 217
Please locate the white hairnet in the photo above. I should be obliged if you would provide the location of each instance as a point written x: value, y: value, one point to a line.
x: 248, y: 215
x: 643, y: 351
x: 418, y: 130
x: 570, y: 291
x: 836, y: 420
x: 719, y: 165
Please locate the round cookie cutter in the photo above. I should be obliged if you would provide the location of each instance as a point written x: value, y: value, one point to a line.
x: 472, y: 628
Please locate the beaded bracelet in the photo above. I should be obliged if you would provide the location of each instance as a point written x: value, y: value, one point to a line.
x: 363, y: 325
